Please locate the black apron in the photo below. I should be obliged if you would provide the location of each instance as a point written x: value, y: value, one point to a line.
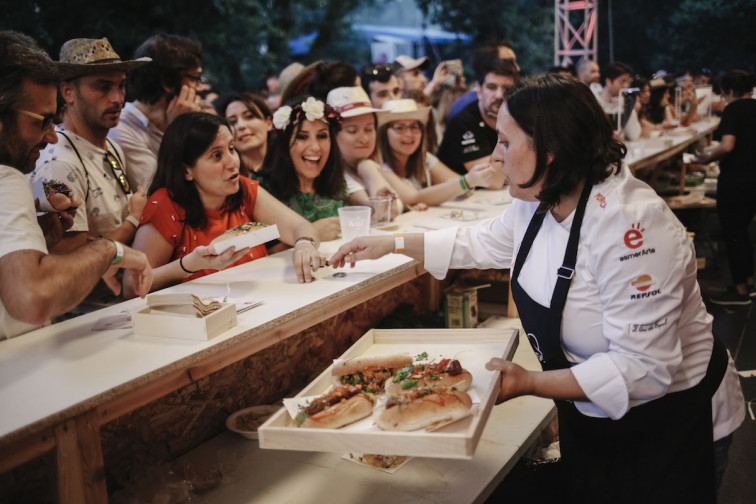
x: 660, y: 451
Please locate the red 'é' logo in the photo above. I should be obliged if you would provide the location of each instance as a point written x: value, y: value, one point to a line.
x: 634, y: 236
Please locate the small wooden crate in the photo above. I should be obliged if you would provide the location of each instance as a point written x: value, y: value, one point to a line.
x: 473, y: 348
x: 150, y: 321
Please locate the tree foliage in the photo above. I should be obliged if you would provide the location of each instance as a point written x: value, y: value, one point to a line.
x: 243, y: 40
x: 529, y: 24
x: 246, y: 40
x: 648, y: 34
x: 676, y: 35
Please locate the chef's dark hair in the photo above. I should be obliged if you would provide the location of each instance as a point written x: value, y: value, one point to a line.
x: 563, y: 119
x: 188, y: 137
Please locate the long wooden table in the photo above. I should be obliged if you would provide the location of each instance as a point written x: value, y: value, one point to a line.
x: 649, y: 152
x: 61, y: 383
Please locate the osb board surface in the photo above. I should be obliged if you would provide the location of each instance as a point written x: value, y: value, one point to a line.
x: 160, y: 431
x: 116, y: 368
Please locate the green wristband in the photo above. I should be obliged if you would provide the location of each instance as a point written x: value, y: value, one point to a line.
x: 463, y: 183
x: 119, y: 252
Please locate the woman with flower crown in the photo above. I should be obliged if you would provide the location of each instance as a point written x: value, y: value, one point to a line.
x: 303, y: 168
x: 196, y: 195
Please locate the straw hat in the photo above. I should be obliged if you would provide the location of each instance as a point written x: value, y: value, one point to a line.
x: 288, y: 74
x: 659, y: 83
x: 404, y: 109
x: 87, y: 56
x: 350, y: 101
x: 407, y: 63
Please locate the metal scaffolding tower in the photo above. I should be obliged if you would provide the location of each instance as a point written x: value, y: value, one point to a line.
x: 575, y: 31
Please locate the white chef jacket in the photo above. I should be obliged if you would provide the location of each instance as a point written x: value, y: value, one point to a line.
x: 634, y: 322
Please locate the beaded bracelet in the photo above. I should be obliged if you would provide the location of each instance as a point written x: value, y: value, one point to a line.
x: 307, y: 238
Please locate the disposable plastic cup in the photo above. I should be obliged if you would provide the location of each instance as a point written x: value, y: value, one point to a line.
x: 381, y: 210
x: 355, y: 221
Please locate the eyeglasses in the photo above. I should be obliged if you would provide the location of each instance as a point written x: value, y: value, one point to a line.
x: 198, y: 79
x: 381, y: 72
x: 402, y: 129
x: 47, y: 120
x: 115, y: 167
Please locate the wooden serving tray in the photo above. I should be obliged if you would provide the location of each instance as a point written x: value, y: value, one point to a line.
x: 473, y: 348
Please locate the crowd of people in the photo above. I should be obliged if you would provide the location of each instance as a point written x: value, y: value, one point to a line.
x: 163, y: 174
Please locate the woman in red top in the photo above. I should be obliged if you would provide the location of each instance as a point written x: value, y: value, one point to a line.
x: 197, y: 195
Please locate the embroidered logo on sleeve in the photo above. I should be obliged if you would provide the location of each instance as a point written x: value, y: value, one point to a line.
x: 635, y: 328
x: 634, y: 236
x: 601, y: 199
x: 633, y: 239
x: 642, y: 284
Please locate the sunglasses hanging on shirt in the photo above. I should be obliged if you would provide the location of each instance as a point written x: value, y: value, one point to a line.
x: 118, y: 173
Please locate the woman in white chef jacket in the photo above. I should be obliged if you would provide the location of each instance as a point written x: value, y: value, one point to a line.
x: 604, y: 279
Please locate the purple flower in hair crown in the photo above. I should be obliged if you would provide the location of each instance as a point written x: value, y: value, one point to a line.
x: 311, y: 109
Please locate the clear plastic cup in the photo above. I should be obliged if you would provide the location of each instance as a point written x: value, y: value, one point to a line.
x: 355, y: 221
x: 381, y: 206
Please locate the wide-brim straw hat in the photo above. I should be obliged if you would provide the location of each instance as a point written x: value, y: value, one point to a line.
x: 660, y: 83
x: 404, y: 62
x: 350, y: 101
x: 87, y: 56
x: 299, y: 85
x: 400, y: 110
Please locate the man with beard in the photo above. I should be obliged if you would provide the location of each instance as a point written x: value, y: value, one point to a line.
x: 470, y: 136
x: 35, y: 286
x: 93, y: 88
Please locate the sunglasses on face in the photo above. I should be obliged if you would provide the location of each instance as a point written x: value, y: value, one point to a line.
x: 118, y: 173
x: 380, y: 73
x: 47, y: 120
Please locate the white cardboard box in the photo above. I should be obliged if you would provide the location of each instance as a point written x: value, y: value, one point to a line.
x: 151, y: 321
x: 473, y: 348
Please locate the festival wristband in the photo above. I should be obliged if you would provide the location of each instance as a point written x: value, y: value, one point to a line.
x: 398, y: 243
x: 463, y: 183
x: 119, y: 252
x: 132, y: 220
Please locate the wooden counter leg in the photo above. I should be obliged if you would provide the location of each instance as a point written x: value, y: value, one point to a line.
x: 70, y: 471
x: 432, y: 297
x: 81, y: 474
x: 683, y: 173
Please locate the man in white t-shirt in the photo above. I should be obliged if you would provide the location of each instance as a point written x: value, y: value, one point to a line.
x: 35, y: 286
x: 94, y: 89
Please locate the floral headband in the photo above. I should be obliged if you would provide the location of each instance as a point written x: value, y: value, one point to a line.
x: 312, y: 110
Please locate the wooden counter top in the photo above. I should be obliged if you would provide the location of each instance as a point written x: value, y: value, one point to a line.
x: 648, y: 152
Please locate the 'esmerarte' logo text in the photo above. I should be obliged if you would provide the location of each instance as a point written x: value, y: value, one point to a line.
x: 637, y: 254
